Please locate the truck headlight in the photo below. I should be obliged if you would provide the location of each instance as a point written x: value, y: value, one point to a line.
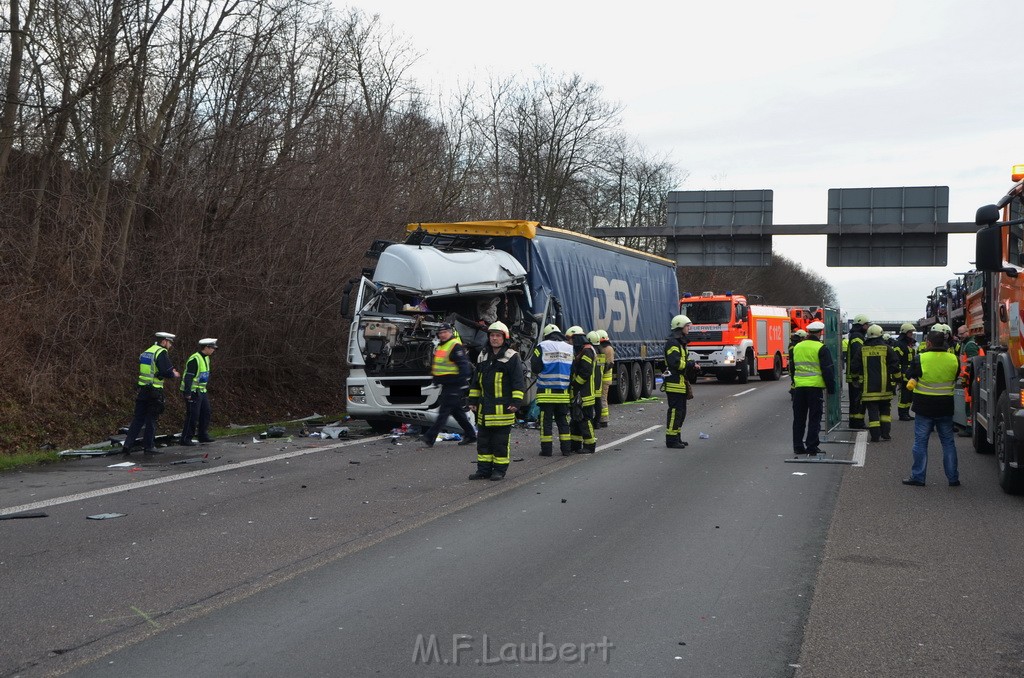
x: 729, y: 356
x: 357, y: 394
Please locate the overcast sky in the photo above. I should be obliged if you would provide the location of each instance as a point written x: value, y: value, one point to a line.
x: 798, y: 97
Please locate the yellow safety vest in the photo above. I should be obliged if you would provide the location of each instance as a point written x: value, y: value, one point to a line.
x: 806, y: 368
x: 147, y: 366
x: 938, y: 374
x: 443, y: 364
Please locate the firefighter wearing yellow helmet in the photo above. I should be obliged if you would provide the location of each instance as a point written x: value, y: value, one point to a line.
x: 878, y: 370
x: 677, y: 391
x: 581, y: 389
x: 608, y: 351
x: 906, y: 350
x: 853, y: 379
x: 495, y: 394
x: 552, y: 363
x: 594, y: 339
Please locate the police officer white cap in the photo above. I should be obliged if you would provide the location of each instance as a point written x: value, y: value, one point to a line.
x: 816, y: 326
x: 165, y: 335
x: 212, y: 343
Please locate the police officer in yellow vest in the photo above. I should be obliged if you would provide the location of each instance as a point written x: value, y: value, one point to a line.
x: 496, y: 395
x: 608, y: 351
x: 193, y: 388
x: 813, y: 374
x: 451, y: 369
x: 679, y: 369
x: 933, y: 376
x: 154, y: 367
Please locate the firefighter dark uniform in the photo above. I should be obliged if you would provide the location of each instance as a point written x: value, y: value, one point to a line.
x: 594, y: 339
x: 906, y: 350
x: 853, y: 381
x: 608, y: 350
x: 451, y: 369
x: 193, y: 387
x: 679, y: 368
x: 879, y: 371
x: 581, y: 392
x: 813, y: 374
x: 496, y: 395
x: 552, y: 363
x: 154, y: 367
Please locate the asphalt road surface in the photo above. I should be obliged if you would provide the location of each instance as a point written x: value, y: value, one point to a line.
x: 374, y: 557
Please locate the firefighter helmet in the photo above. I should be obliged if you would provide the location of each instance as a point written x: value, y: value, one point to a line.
x: 594, y: 337
x: 498, y: 327
x: 801, y: 333
x: 816, y: 326
x: 679, y: 322
x: 551, y: 328
x: 604, y: 335
x: 861, y: 319
x: 907, y: 327
x: 873, y: 332
x: 575, y: 329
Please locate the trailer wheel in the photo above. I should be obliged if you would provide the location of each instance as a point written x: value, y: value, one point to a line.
x: 647, y: 381
x: 619, y: 391
x: 635, y: 375
x: 1010, y: 479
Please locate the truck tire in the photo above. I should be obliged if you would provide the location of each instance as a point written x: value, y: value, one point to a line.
x: 726, y: 377
x: 773, y: 374
x: 742, y: 372
x: 647, y: 380
x: 619, y: 392
x: 1010, y: 479
x: 635, y: 376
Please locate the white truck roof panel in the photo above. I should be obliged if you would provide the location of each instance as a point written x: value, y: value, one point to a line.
x: 434, y: 272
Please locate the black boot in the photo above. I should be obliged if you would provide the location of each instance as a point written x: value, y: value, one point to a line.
x: 905, y: 417
x: 483, y: 471
x: 674, y: 442
x: 545, y: 449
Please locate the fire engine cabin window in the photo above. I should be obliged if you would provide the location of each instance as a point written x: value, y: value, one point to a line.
x: 708, y: 312
x: 1015, y: 253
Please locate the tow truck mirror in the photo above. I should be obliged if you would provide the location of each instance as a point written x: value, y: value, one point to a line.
x: 988, y: 254
x: 986, y: 215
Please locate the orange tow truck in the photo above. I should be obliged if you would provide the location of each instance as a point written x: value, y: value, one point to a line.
x: 734, y: 340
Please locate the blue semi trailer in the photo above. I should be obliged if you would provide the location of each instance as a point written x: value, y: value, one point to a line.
x: 519, y: 272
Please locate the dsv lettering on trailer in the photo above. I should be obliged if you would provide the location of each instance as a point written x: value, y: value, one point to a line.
x: 614, y: 307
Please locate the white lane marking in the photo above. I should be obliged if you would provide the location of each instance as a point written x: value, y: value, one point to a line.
x: 744, y: 392
x: 630, y: 436
x: 169, y: 479
x: 860, y: 449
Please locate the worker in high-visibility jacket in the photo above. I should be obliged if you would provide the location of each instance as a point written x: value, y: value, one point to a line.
x: 795, y: 337
x: 813, y: 374
x: 154, y: 367
x: 679, y: 370
x: 933, y: 376
x: 194, y: 383
x: 581, y: 389
x: 878, y: 370
x: 906, y: 350
x: 496, y: 395
x: 451, y: 370
x: 853, y: 380
x: 552, y: 363
x: 608, y: 351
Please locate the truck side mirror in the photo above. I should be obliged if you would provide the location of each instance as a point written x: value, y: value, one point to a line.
x: 988, y: 254
x: 345, y: 294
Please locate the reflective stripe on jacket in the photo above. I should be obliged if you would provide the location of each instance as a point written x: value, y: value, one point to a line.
x: 147, y: 366
x: 198, y: 368
x: 443, y: 365
x: 938, y: 374
x: 806, y: 368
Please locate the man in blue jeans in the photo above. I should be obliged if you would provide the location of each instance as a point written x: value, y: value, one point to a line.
x: 935, y: 370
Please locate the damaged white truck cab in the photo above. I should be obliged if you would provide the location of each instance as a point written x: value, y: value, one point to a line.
x: 471, y: 274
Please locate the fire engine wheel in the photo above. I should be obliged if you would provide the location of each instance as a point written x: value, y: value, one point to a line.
x: 726, y: 378
x: 743, y: 370
x: 773, y: 374
x: 647, y: 381
x: 1010, y: 479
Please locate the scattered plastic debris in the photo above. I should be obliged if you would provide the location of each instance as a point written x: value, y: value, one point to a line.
x: 448, y: 436
x: 123, y: 464
x: 83, y: 453
x: 334, y: 431
x: 704, y: 436
x: 276, y: 432
x: 797, y: 473
x: 192, y: 460
x: 353, y: 461
x: 106, y: 516
x: 30, y: 514
x: 257, y: 440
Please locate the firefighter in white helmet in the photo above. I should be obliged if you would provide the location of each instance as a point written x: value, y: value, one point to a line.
x: 853, y: 381
x: 608, y: 351
x: 906, y: 349
x: 495, y: 394
x: 552, y: 363
x: 679, y: 370
x: 813, y: 374
x: 581, y: 388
